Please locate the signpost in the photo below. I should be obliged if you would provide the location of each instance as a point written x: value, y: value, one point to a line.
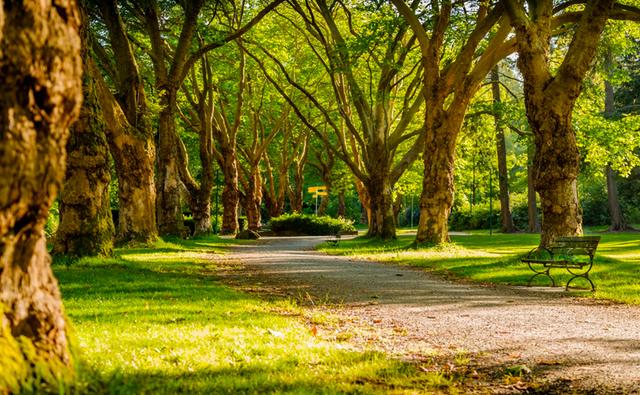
x: 318, y: 191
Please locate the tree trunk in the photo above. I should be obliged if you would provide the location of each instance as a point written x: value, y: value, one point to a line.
x: 436, y: 198
x: 230, y: 194
x: 532, y: 205
x: 556, y: 173
x: 40, y: 70
x: 254, y: 200
x: 129, y: 134
x: 615, y: 210
x: 170, y: 219
x: 342, y: 205
x: 503, y: 176
x: 617, y: 219
x: 365, y: 201
x: 86, y: 224
x: 381, y: 221
x: 201, y: 212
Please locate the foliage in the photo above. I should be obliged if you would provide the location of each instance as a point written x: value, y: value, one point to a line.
x: 480, y: 218
x: 305, y: 224
x: 53, y: 220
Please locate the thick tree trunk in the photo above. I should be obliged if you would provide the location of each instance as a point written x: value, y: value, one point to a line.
x: 532, y: 205
x: 436, y: 198
x: 170, y: 219
x: 201, y: 212
x: 549, y: 100
x: 381, y: 221
x: 86, y: 224
x: 556, y: 174
x: 40, y: 70
x: 129, y: 135
x: 230, y: 194
x: 503, y: 175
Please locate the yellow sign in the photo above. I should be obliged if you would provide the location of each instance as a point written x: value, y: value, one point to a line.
x: 321, y: 188
x: 322, y: 193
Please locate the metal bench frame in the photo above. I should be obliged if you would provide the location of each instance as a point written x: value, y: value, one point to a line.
x: 561, y: 253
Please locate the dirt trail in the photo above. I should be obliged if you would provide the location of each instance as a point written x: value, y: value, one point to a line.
x: 586, y: 344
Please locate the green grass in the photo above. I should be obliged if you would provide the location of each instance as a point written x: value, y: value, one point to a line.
x: 157, y: 320
x: 483, y: 258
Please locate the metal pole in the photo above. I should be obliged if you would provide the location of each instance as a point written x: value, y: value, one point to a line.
x: 215, y: 220
x: 316, y: 203
x: 490, y: 202
x: 411, y: 212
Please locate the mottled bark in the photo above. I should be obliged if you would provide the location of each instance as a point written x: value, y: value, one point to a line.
x: 168, y: 203
x: 40, y: 72
x: 296, y: 189
x: 253, y: 199
x: 549, y: 100
x: 501, y: 149
x: 86, y: 225
x: 379, y: 190
x: 532, y: 205
x: 169, y: 77
x: 128, y: 132
x: 436, y: 198
x: 230, y: 193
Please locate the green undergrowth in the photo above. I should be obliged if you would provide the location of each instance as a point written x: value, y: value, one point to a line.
x: 158, y: 321
x: 485, y: 258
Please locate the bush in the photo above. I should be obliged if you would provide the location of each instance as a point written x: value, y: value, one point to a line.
x: 306, y: 224
x: 479, y: 219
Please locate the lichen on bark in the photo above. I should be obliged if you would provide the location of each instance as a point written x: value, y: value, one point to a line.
x: 40, y: 71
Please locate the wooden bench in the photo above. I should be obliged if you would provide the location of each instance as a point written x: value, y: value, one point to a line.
x: 575, y: 254
x: 335, y: 240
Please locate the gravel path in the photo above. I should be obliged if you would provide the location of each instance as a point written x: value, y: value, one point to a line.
x: 590, y: 346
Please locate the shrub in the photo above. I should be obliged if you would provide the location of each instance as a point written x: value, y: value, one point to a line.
x: 306, y: 224
x: 479, y: 219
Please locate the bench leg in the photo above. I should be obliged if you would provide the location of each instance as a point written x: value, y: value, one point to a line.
x: 544, y: 273
x: 585, y: 276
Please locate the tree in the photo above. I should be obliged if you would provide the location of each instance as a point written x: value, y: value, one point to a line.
x: 376, y: 102
x: 86, y: 225
x: 323, y: 163
x: 217, y: 121
x: 40, y: 70
x: 454, y: 70
x: 171, y: 67
x: 127, y: 126
x: 262, y: 129
x: 550, y: 97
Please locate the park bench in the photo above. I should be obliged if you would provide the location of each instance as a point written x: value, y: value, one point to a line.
x: 575, y: 254
x: 335, y: 239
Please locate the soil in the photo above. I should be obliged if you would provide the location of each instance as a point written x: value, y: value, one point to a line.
x: 513, y: 339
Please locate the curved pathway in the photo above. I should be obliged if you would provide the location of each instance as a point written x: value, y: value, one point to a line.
x: 586, y: 344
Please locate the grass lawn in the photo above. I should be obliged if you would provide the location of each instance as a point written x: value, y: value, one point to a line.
x: 157, y: 320
x: 496, y: 259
